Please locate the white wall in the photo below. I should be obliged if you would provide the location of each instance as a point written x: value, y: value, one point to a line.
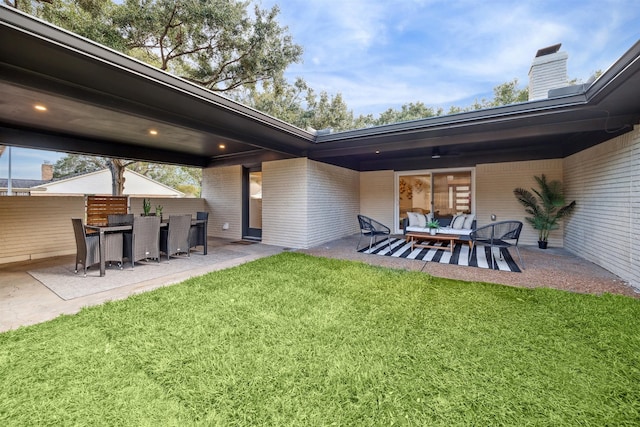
x: 377, y: 199
x: 222, y: 190
x: 495, y: 183
x: 99, y: 182
x: 306, y: 203
x: 38, y: 227
x: 605, y: 226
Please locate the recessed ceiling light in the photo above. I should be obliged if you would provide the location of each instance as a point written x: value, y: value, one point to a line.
x: 377, y: 151
x: 222, y: 146
x: 40, y: 107
x: 153, y: 132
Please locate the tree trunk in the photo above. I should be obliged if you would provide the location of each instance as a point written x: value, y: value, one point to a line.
x: 117, y: 167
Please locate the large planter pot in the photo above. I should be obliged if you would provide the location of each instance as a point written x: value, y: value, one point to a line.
x: 542, y: 244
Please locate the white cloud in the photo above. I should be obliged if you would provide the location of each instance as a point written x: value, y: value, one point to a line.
x: 382, y: 53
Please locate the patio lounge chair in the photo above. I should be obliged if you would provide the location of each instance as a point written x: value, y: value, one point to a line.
x: 144, y: 240
x: 88, y: 246
x: 175, y: 238
x: 504, y: 234
x: 372, y: 228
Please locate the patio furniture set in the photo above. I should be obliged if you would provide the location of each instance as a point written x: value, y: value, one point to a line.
x: 136, y: 238
x: 460, y: 228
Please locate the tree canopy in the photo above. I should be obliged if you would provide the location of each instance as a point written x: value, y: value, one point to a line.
x: 227, y: 46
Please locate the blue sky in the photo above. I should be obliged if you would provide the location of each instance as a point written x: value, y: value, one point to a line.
x: 384, y: 53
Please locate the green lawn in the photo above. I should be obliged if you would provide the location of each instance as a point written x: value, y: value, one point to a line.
x: 294, y: 340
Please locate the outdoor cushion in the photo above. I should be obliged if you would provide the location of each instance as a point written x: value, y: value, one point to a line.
x: 468, y: 221
x: 457, y: 223
x: 417, y: 219
x: 413, y: 219
x: 441, y: 230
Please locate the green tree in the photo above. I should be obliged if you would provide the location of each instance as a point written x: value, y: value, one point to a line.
x: 215, y: 43
x: 299, y: 105
x: 74, y: 164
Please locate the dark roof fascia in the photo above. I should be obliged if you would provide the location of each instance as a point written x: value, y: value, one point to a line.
x: 82, y: 46
x: 615, y: 75
x: 473, y: 118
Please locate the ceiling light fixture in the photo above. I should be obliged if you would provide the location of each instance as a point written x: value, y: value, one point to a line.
x: 435, y: 153
x: 153, y: 132
x: 222, y: 146
x: 40, y: 107
x: 377, y: 151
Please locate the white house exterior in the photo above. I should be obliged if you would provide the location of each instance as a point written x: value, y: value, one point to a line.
x: 99, y: 183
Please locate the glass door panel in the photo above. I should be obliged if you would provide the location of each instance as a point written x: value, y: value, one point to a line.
x: 414, y: 195
x: 452, y: 193
x: 252, y: 205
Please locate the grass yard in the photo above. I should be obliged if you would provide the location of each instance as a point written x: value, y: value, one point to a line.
x: 294, y: 340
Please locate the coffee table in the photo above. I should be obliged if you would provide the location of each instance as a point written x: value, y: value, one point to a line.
x: 416, y: 238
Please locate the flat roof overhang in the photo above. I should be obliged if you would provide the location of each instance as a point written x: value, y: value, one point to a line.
x: 102, y: 102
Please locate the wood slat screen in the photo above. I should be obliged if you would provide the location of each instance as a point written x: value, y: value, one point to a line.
x: 98, y: 207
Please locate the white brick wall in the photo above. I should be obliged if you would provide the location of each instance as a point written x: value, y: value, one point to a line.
x: 605, y: 226
x: 306, y: 203
x: 284, y: 202
x: 38, y: 227
x: 547, y: 72
x: 334, y: 202
x: 495, y: 183
x: 222, y: 190
x: 377, y: 196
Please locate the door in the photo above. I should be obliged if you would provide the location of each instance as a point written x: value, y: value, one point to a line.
x: 252, y: 203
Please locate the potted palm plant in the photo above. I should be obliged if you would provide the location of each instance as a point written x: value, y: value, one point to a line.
x: 545, y: 209
x: 433, y: 226
x: 146, y: 207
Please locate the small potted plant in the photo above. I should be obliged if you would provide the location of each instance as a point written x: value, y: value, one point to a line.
x: 433, y: 226
x: 146, y: 207
x: 159, y: 210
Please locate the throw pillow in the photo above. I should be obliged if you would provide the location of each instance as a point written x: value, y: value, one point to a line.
x: 457, y: 222
x: 468, y: 221
x: 413, y: 219
x: 429, y: 216
x: 422, y: 221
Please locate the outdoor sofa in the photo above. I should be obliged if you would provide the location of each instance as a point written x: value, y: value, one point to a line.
x: 461, y: 224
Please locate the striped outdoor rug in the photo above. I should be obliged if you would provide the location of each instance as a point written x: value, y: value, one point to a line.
x: 481, y: 256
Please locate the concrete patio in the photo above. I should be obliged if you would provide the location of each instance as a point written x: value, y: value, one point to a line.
x: 25, y: 301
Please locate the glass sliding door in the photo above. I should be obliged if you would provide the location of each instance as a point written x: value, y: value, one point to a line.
x: 452, y: 193
x: 414, y: 195
x: 445, y: 193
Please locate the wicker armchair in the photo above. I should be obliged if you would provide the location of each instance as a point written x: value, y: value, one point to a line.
x: 144, y: 240
x: 503, y: 234
x: 197, y: 234
x: 175, y: 238
x: 88, y: 246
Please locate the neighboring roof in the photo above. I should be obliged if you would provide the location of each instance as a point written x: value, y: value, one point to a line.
x: 99, y: 182
x: 102, y: 102
x: 21, y: 183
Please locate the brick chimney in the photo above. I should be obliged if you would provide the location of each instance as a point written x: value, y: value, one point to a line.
x: 47, y: 171
x: 548, y: 71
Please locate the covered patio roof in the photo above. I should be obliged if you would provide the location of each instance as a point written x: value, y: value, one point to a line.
x: 101, y: 102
